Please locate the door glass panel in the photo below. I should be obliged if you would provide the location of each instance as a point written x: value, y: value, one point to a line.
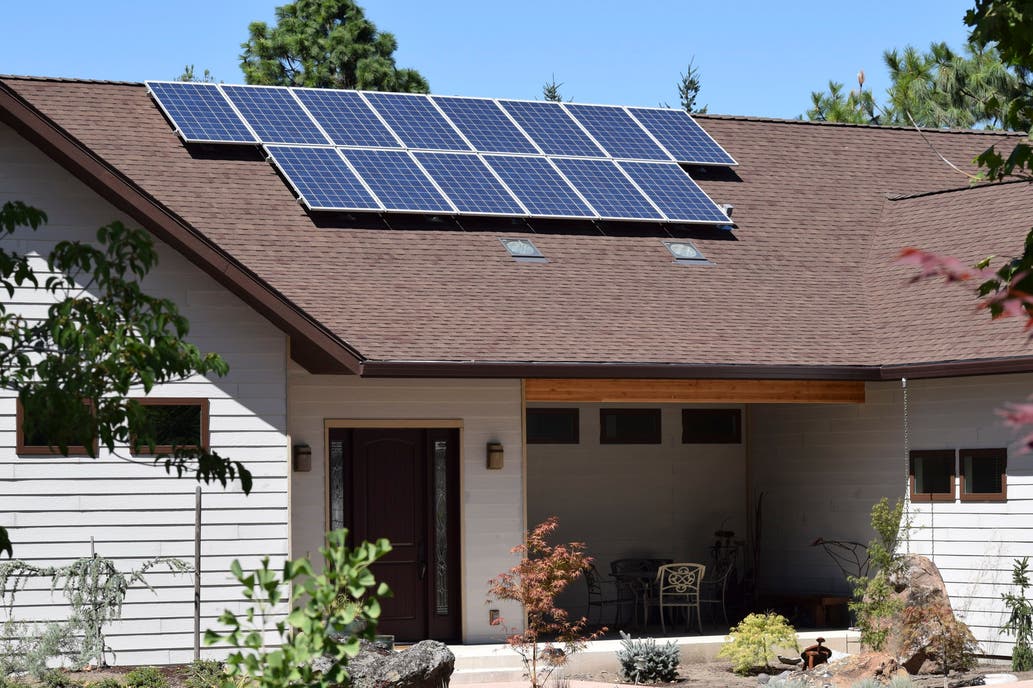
x: 441, y: 527
x: 336, y: 484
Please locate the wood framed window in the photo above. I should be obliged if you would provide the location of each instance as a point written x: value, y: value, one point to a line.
x: 711, y: 426
x: 629, y: 426
x: 553, y: 425
x: 174, y: 423
x: 34, y: 438
x: 932, y: 475
x: 984, y: 475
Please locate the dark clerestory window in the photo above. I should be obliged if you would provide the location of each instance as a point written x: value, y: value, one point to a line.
x: 711, y: 426
x: 172, y: 423
x: 553, y: 426
x: 629, y: 426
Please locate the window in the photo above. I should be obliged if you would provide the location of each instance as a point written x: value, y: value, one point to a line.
x: 35, y: 439
x: 629, y: 426
x: 552, y: 426
x: 711, y: 426
x: 984, y: 474
x: 174, y: 423
x: 932, y: 475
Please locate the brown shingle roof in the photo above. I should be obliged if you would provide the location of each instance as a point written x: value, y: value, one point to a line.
x: 806, y: 280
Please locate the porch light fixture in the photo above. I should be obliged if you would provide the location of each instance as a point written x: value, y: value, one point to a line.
x: 523, y: 250
x: 685, y: 252
x: 302, y: 458
x: 495, y: 456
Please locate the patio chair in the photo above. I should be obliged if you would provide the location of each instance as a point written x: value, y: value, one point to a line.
x: 713, y: 590
x: 602, y: 593
x: 634, y: 578
x: 678, y: 586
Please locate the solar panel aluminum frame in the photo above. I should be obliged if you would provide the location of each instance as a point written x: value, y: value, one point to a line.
x: 454, y: 211
x: 405, y: 146
x: 179, y: 130
x: 328, y: 143
x: 733, y: 163
x: 301, y: 197
x: 595, y: 213
x: 620, y: 218
x: 505, y: 113
x: 728, y: 224
x: 376, y: 114
x: 491, y: 170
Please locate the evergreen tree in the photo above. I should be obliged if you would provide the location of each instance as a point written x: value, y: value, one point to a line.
x: 551, y: 91
x: 325, y: 44
x: 689, y: 84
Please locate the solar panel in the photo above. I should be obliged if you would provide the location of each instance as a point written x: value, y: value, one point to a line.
x: 604, y: 186
x: 200, y: 112
x: 674, y: 192
x: 397, y: 180
x: 551, y: 128
x: 617, y: 132
x: 321, y: 178
x: 539, y: 186
x: 346, y: 117
x: 274, y: 114
x: 416, y: 121
x: 681, y: 136
x: 485, y: 125
x: 469, y: 183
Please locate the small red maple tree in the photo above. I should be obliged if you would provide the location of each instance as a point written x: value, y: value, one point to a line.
x: 544, y: 571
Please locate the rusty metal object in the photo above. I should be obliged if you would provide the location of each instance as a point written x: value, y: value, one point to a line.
x: 816, y: 654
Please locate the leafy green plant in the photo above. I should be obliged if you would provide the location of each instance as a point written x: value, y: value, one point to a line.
x: 145, y: 677
x: 873, y: 600
x: 543, y: 572
x: 753, y: 642
x: 12, y: 682
x: 109, y: 682
x: 643, y: 661
x: 318, y: 626
x: 205, y: 673
x: 55, y: 678
x: 1020, y: 619
x: 95, y: 590
x: 25, y: 649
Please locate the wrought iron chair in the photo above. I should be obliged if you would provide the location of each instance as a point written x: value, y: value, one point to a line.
x: 714, y: 589
x: 602, y: 593
x: 678, y: 586
x: 634, y: 578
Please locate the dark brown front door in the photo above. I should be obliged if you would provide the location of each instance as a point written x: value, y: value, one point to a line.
x: 402, y: 484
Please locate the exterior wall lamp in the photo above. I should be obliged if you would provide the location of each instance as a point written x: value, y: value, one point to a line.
x: 302, y: 458
x: 495, y: 456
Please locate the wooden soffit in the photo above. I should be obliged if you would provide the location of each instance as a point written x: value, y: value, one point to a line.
x: 694, y: 391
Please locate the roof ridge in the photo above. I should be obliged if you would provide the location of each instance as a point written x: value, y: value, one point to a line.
x: 67, y: 80
x: 885, y: 127
x: 954, y: 189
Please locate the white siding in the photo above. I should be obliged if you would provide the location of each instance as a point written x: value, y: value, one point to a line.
x: 636, y: 500
x: 54, y: 505
x: 492, y: 501
x: 822, y: 467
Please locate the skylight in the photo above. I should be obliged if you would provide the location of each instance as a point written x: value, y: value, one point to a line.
x: 523, y: 250
x: 686, y: 252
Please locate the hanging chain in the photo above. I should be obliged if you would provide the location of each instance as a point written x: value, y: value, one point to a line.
x: 906, y: 519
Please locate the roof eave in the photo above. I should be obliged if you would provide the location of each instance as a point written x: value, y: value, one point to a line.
x: 312, y: 346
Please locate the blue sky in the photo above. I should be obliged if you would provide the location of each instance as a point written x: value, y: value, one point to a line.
x: 756, y: 58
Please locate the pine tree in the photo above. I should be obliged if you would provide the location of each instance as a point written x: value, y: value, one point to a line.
x: 689, y: 84
x: 551, y: 91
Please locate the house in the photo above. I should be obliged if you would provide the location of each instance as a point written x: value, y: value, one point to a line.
x: 645, y: 400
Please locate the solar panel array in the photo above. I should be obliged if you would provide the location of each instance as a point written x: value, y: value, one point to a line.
x: 399, y: 152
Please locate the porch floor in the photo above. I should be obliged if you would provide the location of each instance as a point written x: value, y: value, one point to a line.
x: 484, y: 665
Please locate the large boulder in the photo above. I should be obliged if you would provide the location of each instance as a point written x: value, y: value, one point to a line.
x: 925, y: 634
x: 427, y: 664
x: 850, y: 670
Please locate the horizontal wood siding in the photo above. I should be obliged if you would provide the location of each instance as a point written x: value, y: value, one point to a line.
x: 822, y: 467
x: 134, y: 511
x: 492, y: 501
x: 637, y: 500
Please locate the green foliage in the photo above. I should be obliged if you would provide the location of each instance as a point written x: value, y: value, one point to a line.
x: 753, y: 642
x: 145, y: 677
x: 102, y: 338
x: 12, y: 682
x: 551, y: 91
x: 1020, y: 618
x: 543, y: 572
x: 205, y: 673
x: 936, y: 88
x: 25, y: 649
x: 868, y: 683
x: 873, y: 599
x: 643, y: 661
x: 901, y: 682
x: 95, y: 590
x: 689, y: 85
x: 325, y: 44
x: 55, y: 678
x: 189, y: 75
x: 109, y: 682
x: 319, y: 625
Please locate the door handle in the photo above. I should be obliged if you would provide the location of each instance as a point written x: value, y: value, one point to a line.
x: 422, y: 555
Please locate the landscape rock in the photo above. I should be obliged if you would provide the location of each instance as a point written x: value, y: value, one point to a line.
x: 849, y: 670
x: 427, y: 664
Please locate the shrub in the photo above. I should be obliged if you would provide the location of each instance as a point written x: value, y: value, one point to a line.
x: 752, y: 643
x: 55, y: 678
x: 12, y: 682
x: 109, y: 682
x: 643, y: 661
x: 205, y: 673
x: 868, y: 683
x: 25, y: 649
x: 145, y: 677
x: 543, y: 572
x: 874, y: 600
x: 1020, y: 621
x: 901, y: 682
